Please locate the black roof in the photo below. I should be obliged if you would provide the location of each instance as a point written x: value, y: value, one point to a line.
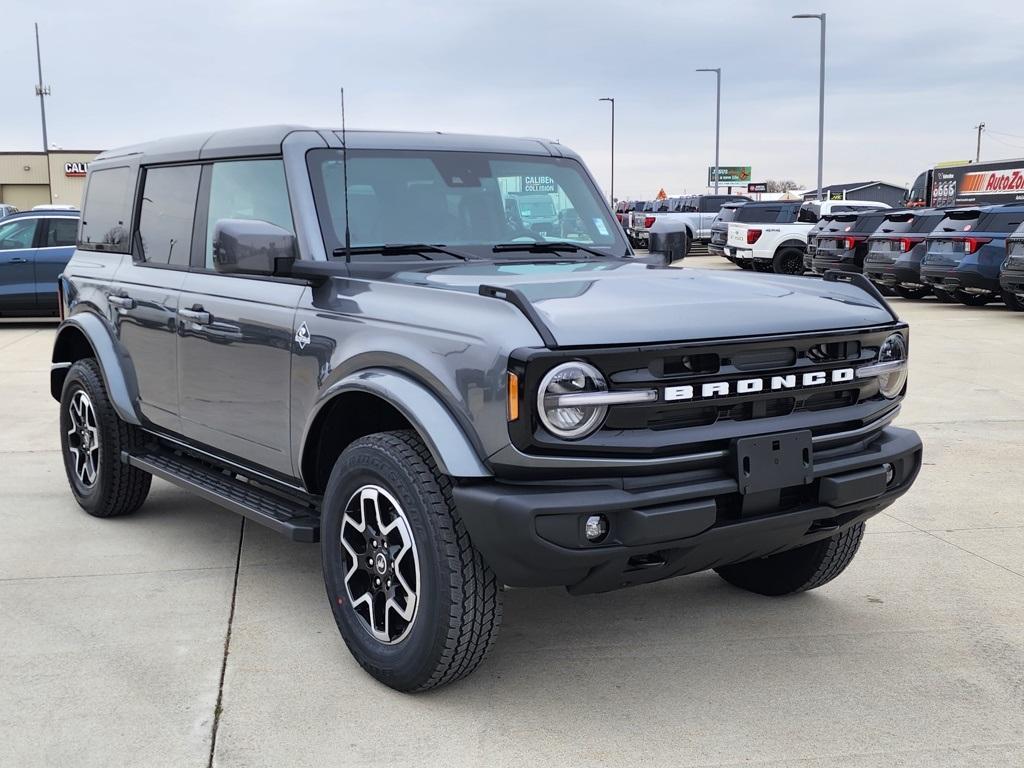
x: 268, y: 139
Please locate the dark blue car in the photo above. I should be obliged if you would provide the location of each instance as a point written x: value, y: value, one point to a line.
x: 34, y: 247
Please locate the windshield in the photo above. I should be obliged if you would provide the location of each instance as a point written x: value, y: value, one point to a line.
x: 458, y: 199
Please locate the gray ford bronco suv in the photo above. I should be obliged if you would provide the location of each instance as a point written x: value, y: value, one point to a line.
x: 365, y: 346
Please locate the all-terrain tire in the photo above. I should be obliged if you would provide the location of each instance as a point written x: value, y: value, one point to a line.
x: 796, y: 570
x: 912, y: 293
x: 458, y: 606
x: 788, y: 261
x: 116, y: 488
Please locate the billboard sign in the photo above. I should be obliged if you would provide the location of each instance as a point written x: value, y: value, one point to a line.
x: 757, y: 186
x: 978, y: 184
x: 729, y: 174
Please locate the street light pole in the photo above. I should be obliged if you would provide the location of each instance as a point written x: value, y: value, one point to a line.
x: 821, y: 95
x: 612, y: 102
x: 977, y: 155
x: 42, y: 91
x: 718, y: 115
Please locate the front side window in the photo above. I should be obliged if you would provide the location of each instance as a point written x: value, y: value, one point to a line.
x: 107, y: 210
x: 457, y: 199
x: 61, y: 232
x: 15, y: 235
x: 247, y: 189
x: 168, y: 211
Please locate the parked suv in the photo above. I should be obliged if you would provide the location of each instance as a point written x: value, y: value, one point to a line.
x: 813, y: 234
x: 1011, y: 274
x: 759, y: 238
x: 34, y: 247
x: 895, y: 250
x: 966, y: 251
x: 843, y: 243
x: 720, y: 229
x: 351, y: 343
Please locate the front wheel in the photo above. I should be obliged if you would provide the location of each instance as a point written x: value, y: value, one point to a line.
x: 414, y: 601
x: 796, y: 570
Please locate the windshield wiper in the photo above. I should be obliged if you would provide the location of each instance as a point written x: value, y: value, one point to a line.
x: 405, y: 249
x: 546, y: 246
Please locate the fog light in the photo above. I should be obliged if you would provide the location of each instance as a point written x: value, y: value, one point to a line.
x: 596, y: 528
x: 890, y: 473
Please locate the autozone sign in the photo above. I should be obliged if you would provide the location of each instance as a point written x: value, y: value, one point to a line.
x: 993, y: 182
x: 75, y: 169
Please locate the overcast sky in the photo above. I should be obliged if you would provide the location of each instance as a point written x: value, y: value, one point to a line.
x: 905, y: 81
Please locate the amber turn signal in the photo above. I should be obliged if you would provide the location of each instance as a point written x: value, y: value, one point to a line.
x: 513, y: 396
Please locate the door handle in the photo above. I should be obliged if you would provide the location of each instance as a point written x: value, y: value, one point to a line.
x: 122, y: 302
x: 17, y: 260
x: 197, y: 316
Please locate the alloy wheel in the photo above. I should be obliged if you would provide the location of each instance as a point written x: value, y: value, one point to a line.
x: 84, y: 438
x: 382, y: 571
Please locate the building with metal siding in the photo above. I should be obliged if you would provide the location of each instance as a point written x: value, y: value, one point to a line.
x: 37, y: 178
x: 874, y: 191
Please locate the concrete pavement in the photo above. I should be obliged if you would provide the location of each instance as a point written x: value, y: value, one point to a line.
x: 114, y: 632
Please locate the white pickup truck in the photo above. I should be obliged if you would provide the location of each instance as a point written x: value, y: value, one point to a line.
x: 777, y: 241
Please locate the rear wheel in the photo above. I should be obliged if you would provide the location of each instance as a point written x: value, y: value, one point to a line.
x: 788, y: 261
x: 1012, y: 301
x: 415, y: 603
x: 92, y: 437
x: 973, y: 299
x: 912, y: 293
x: 796, y: 570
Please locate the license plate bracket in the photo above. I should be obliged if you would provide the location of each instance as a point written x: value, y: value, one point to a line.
x: 769, y: 462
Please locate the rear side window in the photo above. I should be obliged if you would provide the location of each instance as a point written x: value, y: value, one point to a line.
x: 999, y: 222
x: 247, y: 189
x: 727, y: 214
x: 61, y: 232
x: 868, y: 222
x: 107, y: 210
x: 925, y: 223
x: 168, y: 210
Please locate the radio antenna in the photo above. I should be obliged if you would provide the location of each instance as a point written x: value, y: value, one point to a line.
x: 344, y: 173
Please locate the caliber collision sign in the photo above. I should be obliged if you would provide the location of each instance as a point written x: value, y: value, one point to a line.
x: 75, y: 169
x: 538, y: 184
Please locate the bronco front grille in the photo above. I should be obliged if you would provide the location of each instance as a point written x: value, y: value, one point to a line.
x: 668, y: 424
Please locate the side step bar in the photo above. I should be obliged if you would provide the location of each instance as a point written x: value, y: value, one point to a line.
x: 296, y: 520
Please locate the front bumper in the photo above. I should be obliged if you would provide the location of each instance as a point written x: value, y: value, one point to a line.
x: 669, y: 525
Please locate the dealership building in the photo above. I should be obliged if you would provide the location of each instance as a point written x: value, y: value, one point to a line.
x: 56, y: 177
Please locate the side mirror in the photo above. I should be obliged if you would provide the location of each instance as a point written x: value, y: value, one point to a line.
x: 250, y: 247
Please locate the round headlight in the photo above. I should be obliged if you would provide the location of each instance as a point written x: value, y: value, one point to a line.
x: 894, y: 351
x: 558, y: 413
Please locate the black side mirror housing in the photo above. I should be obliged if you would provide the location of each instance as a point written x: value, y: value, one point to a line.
x: 251, y: 247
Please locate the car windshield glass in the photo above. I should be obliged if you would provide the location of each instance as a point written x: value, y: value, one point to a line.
x: 463, y: 199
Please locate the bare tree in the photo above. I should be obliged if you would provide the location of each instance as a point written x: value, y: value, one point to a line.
x: 781, y: 185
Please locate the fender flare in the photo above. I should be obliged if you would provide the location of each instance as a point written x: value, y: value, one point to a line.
x: 446, y: 440
x: 801, y: 244
x: 115, y: 365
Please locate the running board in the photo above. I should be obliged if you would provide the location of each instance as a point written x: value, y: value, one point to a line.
x: 296, y: 520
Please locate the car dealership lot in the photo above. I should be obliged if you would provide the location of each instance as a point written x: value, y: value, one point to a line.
x: 114, y: 630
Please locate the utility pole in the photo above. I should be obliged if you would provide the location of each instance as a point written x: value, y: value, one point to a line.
x: 821, y: 95
x: 977, y: 155
x: 718, y: 115
x: 42, y: 91
x: 612, y: 102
